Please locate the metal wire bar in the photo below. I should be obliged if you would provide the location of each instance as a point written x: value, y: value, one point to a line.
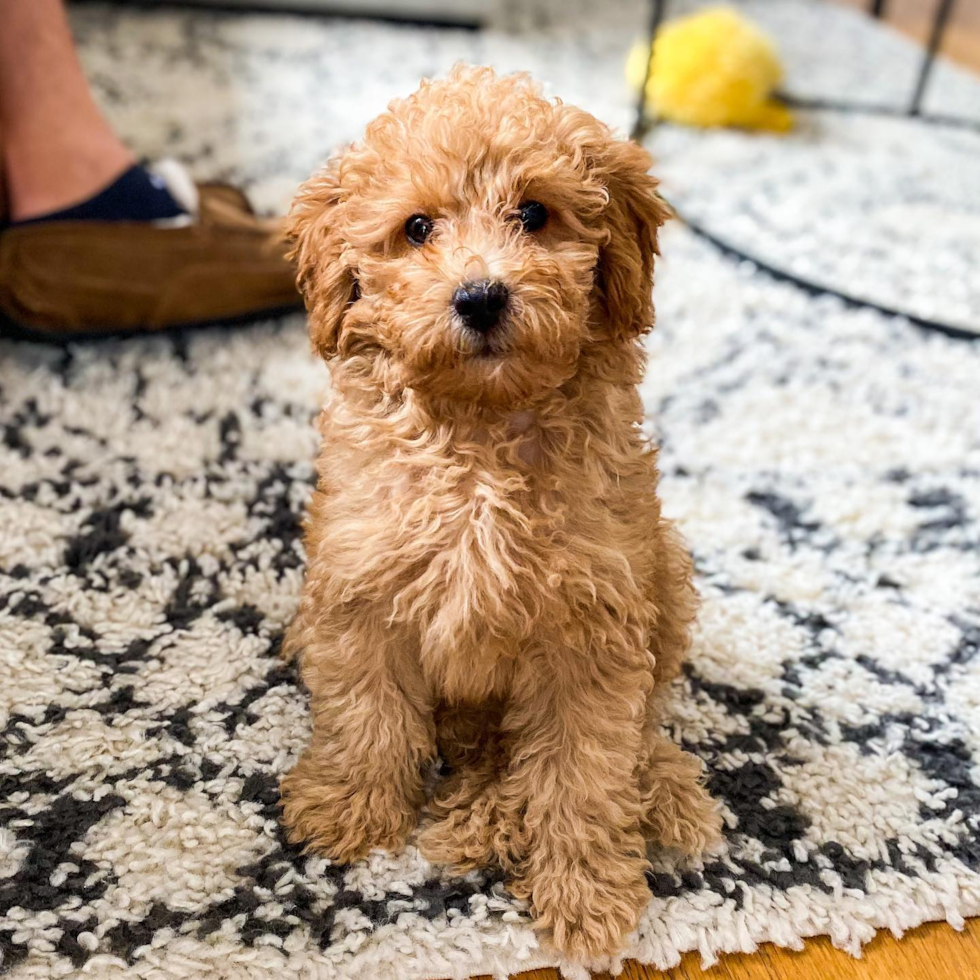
x: 641, y: 123
x: 943, y: 11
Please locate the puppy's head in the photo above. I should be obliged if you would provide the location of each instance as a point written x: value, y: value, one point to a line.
x: 476, y: 241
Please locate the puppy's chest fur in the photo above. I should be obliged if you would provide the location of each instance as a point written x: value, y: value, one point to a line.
x: 478, y: 544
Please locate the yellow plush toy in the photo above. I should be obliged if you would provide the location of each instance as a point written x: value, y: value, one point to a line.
x: 712, y: 69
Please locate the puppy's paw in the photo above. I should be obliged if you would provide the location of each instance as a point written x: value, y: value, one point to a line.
x: 458, y: 841
x: 687, y: 818
x: 676, y: 810
x: 341, y: 821
x: 588, y: 908
x: 475, y: 833
x: 699, y: 833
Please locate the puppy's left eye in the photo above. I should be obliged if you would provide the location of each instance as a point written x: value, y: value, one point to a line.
x: 533, y: 215
x: 418, y: 228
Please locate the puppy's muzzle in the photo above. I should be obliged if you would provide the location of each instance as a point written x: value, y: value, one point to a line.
x: 480, y: 304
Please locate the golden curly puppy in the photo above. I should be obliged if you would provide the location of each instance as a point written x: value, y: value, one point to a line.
x: 490, y: 578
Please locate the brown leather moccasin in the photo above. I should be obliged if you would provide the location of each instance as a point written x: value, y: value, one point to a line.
x: 66, y: 279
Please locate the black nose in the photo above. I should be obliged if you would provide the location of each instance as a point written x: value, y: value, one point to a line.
x: 479, y: 304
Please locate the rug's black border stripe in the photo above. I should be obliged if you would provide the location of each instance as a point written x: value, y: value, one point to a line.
x: 870, y: 109
x: 300, y: 8
x: 816, y: 289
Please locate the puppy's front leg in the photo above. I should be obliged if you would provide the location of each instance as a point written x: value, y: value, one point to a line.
x: 358, y: 784
x: 576, y: 718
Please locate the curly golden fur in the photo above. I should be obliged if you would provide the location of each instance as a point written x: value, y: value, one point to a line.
x: 490, y: 578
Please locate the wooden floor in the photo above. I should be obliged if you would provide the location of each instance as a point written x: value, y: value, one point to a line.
x: 934, y: 951
x: 961, y: 40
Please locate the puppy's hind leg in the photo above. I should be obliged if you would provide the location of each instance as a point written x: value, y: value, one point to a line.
x: 676, y: 809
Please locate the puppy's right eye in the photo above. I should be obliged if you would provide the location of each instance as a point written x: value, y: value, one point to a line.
x: 533, y: 215
x: 418, y: 228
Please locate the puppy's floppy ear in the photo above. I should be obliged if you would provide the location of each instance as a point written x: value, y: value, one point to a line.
x: 313, y: 230
x: 624, y: 280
